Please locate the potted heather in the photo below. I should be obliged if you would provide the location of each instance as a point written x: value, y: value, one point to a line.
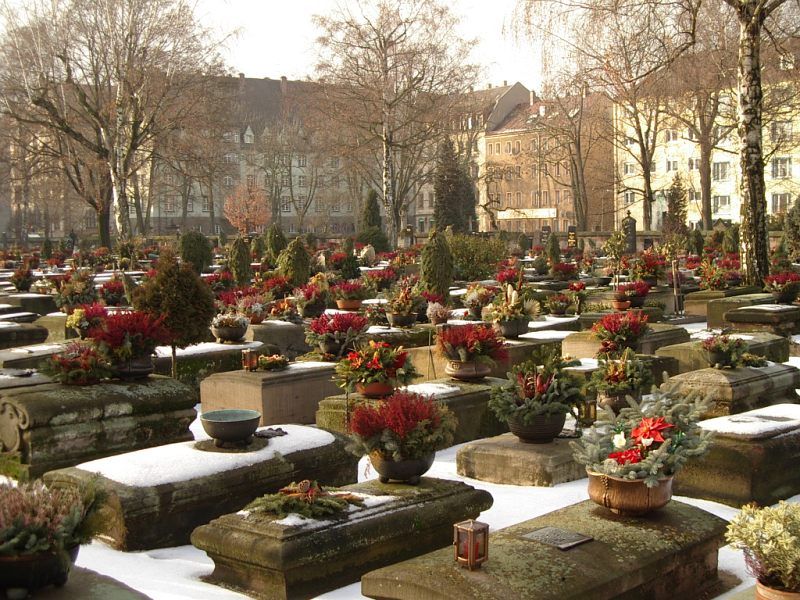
x: 112, y: 292
x: 77, y: 288
x: 558, y: 304
x: 86, y: 317
x: 401, y: 435
x: 229, y: 326
x: 724, y: 351
x: 783, y: 287
x: 476, y: 297
x: 311, y: 299
x: 129, y: 339
x: 254, y: 307
x: 634, y: 292
x: 22, y: 278
x: 617, y: 331
x: 712, y: 277
x: 380, y: 279
x: 510, y: 314
x: 78, y: 364
x: 648, y: 267
x: 769, y: 537
x: 401, y: 302
x: 615, y: 380
x: 334, y: 334
x: 348, y: 294
x: 471, y: 350
x: 41, y: 530
x: 563, y: 271
x: 577, y: 289
x: 536, y: 400
x: 632, y: 457
x: 375, y: 370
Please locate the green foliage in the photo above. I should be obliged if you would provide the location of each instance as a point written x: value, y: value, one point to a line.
x: 627, y: 375
x: 180, y: 297
x: 454, y: 204
x: 195, y: 250
x: 348, y: 246
x: 258, y: 246
x: 475, y: 258
x: 730, y: 242
x: 791, y: 230
x: 47, y: 248
x: 349, y: 268
x: 276, y: 242
x: 295, y: 262
x: 374, y: 237
x: 552, y: 250
x: 675, y: 221
x: 222, y: 239
x: 371, y: 213
x: 524, y: 242
x: 696, y: 242
x: 311, y: 240
x: 307, y: 499
x: 436, y: 269
x: 614, y: 247
x: 239, y: 262
x: 79, y: 290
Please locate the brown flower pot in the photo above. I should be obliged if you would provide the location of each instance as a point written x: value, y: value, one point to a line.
x: 376, y: 389
x: 402, y: 471
x: 785, y: 297
x: 34, y: 571
x: 330, y: 346
x: 229, y: 334
x: 348, y: 304
x: 398, y: 320
x: 542, y: 430
x: 512, y: 328
x: 467, y: 370
x: 637, y: 301
x: 134, y: 368
x: 628, y: 497
x: 764, y: 592
x: 616, y: 402
x: 620, y: 305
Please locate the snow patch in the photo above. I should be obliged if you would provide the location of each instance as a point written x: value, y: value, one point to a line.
x: 545, y: 334
x: 432, y: 389
x: 757, y: 424
x: 205, y: 348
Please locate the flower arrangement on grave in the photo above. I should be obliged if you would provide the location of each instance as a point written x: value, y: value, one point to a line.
x: 431, y: 297
x: 478, y: 296
x: 336, y: 333
x: 634, y: 289
x: 724, y: 351
x: 614, y: 380
x: 509, y: 276
x: 712, y: 277
x: 769, y: 538
x: 538, y: 396
x: 112, y: 292
x: 402, y: 299
x: 76, y: 290
x: 577, y: 289
x: 273, y: 362
x: 783, y: 286
x: 563, y: 271
x: 381, y: 279
x: 558, y: 304
x: 129, y: 335
x: 232, y: 319
x: 539, y: 264
x: 311, y: 298
x: 254, y: 306
x: 285, y: 310
x: 748, y: 359
x: 87, y: 317
x: 22, y: 278
x: 437, y: 313
x: 220, y: 281
x: 404, y: 426
x: 335, y: 260
x: 510, y: 306
x: 646, y: 442
x: 307, y: 499
x: 375, y: 363
x: 648, y: 266
x: 349, y: 290
x: 277, y: 285
x: 78, y: 364
x: 471, y: 343
x: 617, y: 331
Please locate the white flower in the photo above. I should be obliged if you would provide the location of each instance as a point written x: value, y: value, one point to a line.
x: 646, y: 442
x: 619, y: 440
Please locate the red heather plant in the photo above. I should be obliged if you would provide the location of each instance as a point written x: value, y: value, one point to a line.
x: 617, y: 331
x: 509, y: 276
x: 279, y: 286
x: 336, y: 259
x: 348, y: 290
x: 377, y: 362
x: 78, y: 364
x: 404, y: 426
x: 564, y: 271
x: 382, y: 277
x: 781, y: 282
x: 635, y: 289
x: 471, y: 342
x: 218, y: 282
x: 432, y: 297
x: 130, y: 335
x: 112, y: 292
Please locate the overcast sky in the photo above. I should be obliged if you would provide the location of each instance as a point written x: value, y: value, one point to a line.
x: 276, y: 37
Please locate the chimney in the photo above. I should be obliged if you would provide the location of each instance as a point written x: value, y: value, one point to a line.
x: 505, y: 83
x: 489, y: 86
x: 533, y: 97
x: 541, y: 110
x: 283, y: 84
x: 241, y: 75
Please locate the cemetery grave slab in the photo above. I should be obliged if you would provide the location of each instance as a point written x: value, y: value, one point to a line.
x: 201, y: 360
x: 780, y: 319
x: 468, y: 401
x: 690, y: 356
x: 290, y: 396
x: 289, y: 338
x: 753, y: 458
x: 18, y: 317
x: 51, y: 426
x: 584, y: 344
x: 696, y: 303
x: 159, y: 495
x: 85, y: 584
x: 671, y: 553
x: 56, y: 325
x: 294, y: 558
x: 13, y: 335
x: 40, y: 304
x: 716, y: 309
x: 505, y: 459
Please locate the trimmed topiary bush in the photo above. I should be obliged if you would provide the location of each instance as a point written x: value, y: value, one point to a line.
x: 239, y: 262
x: 47, y: 248
x: 258, y: 246
x: 374, y: 236
x: 195, y: 250
x: 475, y: 258
x: 294, y: 262
x: 553, y: 251
x: 349, y: 268
x: 276, y: 242
x: 436, y: 270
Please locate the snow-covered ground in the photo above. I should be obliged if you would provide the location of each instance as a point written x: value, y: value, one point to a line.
x: 175, y: 573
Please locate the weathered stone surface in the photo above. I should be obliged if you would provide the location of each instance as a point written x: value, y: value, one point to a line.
x: 658, y: 365
x: 290, y: 396
x: 505, y: 459
x: 717, y: 308
x: 201, y: 360
x: 41, y: 304
x: 753, y: 458
x: 738, y: 390
x: 289, y: 338
x: 468, y: 401
x: 143, y: 516
x: 690, y: 356
x: 412, y: 337
x: 695, y: 303
x: 18, y: 317
x: 29, y: 357
x: 56, y: 325
x: 267, y: 559
x: 13, y: 335
x: 52, y: 426
x: 669, y: 554
x: 780, y: 319
x: 85, y: 584
x: 584, y: 344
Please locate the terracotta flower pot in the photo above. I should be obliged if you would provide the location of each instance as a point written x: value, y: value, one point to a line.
x: 764, y: 592
x: 637, y: 301
x: 628, y: 497
x: 376, y: 389
x: 33, y: 571
x: 719, y: 359
x: 330, y: 346
x: 348, y: 304
x: 542, y: 430
x: 620, y: 305
x: 402, y: 471
x: 467, y: 370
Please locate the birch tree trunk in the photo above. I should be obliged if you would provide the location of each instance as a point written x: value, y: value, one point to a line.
x: 392, y: 226
x: 706, y: 148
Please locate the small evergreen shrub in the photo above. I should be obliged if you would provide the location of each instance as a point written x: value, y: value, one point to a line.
x: 239, y: 262
x: 294, y: 262
x: 195, y: 250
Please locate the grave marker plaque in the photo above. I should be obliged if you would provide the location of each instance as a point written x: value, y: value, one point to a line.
x: 572, y: 237
x: 629, y: 229
x: 544, y: 234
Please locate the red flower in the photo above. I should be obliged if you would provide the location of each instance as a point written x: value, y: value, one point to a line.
x: 577, y: 286
x: 650, y: 428
x: 338, y: 323
x: 632, y: 456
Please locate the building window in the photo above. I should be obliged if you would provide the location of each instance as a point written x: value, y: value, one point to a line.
x: 670, y: 135
x: 517, y: 147
x: 302, y: 161
x: 519, y: 199
x: 431, y: 200
x: 230, y: 158
x: 653, y: 166
x: 286, y: 206
x: 217, y: 228
x: 780, y: 131
x: 227, y: 181
x: 672, y: 165
x: 508, y: 199
x: 497, y: 148
x: 721, y: 132
x: 629, y: 141
x: 190, y: 205
x: 249, y: 138
x: 206, y: 205
x: 301, y: 181
x: 690, y: 134
x: 285, y: 180
x: 421, y: 202
x: 719, y: 203
x: 169, y: 204
x: 558, y: 197
x: 781, y: 167
x: 694, y: 164
x: 348, y: 207
x: 132, y: 208
x: 566, y: 197
x: 628, y: 168
x: 231, y: 136
x: 490, y: 148
x: 335, y: 206
x: 518, y: 170
x: 720, y: 171
x: 421, y: 225
x: 628, y: 198
x: 251, y: 181
x: 781, y: 203
x: 545, y: 199
x: 508, y: 147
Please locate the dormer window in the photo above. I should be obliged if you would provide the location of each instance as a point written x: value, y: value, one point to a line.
x: 249, y: 138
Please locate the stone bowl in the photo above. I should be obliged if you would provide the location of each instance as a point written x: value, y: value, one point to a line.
x: 230, y: 425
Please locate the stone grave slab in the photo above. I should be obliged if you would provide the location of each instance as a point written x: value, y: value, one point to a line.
x: 29, y: 357
x: 505, y: 459
x: 13, y: 335
x: 56, y: 325
x: 695, y: 303
x: 587, y: 319
x: 716, y: 309
x: 201, y: 360
x: 669, y: 554
x: 584, y: 344
x: 51, y: 426
x: 658, y: 365
x: 551, y: 323
x: 739, y: 390
x: 418, y: 336
x: 780, y: 319
x: 18, y: 317
x: 753, y: 458
x: 290, y: 396
x: 157, y: 496
x: 285, y: 558
x: 468, y: 401
x: 85, y: 584
x: 288, y: 338
x: 40, y: 304
x: 690, y: 356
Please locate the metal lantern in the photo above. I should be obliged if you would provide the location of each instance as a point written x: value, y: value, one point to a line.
x: 471, y: 541
x: 249, y: 360
x: 587, y: 412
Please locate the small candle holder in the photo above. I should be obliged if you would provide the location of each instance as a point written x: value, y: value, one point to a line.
x: 249, y: 360
x: 471, y: 542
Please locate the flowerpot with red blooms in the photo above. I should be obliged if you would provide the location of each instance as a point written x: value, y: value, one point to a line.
x: 335, y: 334
x: 648, y: 266
x: 783, y: 287
x: 558, y: 304
x: 375, y: 370
x: 22, y: 278
x: 724, y: 351
x: 537, y: 398
x: 401, y: 434
x: 631, y: 457
x: 635, y: 292
x: 112, y: 292
x: 471, y: 350
x: 510, y: 313
x: 86, y: 317
x: 311, y: 299
x: 129, y: 340
x: 78, y: 364
x: 618, y: 331
x: 578, y: 293
x: 477, y: 297
x: 565, y: 271
x: 614, y: 381
x: 402, y: 300
x: 349, y: 294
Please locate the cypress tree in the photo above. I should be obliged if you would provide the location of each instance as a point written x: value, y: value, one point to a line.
x: 791, y: 230
x: 447, y: 188
x: 295, y: 263
x: 436, y: 269
x: 195, y: 250
x: 552, y: 250
x: 349, y: 268
x: 47, y: 249
x: 239, y: 262
x: 276, y: 242
x: 371, y: 214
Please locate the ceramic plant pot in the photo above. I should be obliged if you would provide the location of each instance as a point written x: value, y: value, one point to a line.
x: 402, y: 471
x: 467, y: 370
x: 376, y: 389
x: 628, y: 497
